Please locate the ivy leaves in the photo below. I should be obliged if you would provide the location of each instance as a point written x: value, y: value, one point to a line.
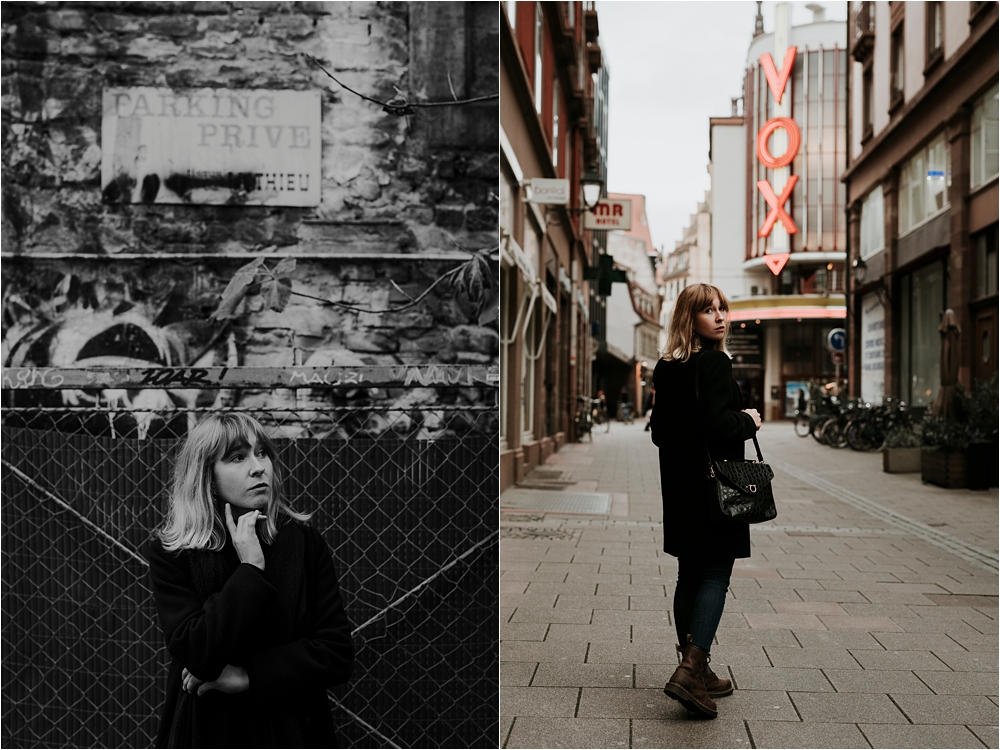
x: 478, y: 279
x: 259, y: 285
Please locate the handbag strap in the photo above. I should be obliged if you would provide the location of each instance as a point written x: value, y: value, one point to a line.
x: 697, y: 401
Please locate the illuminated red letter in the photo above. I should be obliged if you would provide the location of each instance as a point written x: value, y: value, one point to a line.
x: 777, y: 205
x: 775, y: 81
x: 794, y: 139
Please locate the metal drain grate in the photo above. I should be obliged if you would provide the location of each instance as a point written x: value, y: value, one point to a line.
x: 551, y: 501
x: 547, y: 474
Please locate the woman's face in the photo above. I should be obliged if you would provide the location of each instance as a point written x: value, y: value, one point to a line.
x: 242, y: 477
x: 710, y: 321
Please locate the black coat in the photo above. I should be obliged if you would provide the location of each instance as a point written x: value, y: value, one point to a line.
x: 285, y: 625
x: 680, y: 428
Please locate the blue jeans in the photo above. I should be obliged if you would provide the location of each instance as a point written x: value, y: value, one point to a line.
x: 699, y: 599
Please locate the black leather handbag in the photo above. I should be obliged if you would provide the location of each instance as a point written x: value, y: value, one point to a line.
x: 739, y: 491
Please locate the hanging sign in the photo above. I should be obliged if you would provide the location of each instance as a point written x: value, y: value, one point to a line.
x: 544, y: 190
x: 609, y: 214
x: 778, y: 82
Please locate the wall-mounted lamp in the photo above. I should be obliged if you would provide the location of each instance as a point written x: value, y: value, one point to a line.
x: 860, y: 271
x: 592, y: 184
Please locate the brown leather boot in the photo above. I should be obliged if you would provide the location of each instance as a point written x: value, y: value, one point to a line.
x: 715, y: 685
x: 687, y: 683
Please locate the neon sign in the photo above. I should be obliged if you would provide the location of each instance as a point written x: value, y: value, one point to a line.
x: 777, y: 82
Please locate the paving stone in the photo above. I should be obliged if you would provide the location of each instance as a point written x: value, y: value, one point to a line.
x: 505, y: 724
x: 743, y: 606
x: 562, y: 674
x: 864, y: 609
x: 807, y: 608
x: 899, y: 660
x: 631, y: 569
x: 891, y: 736
x: 632, y: 617
x: 577, y: 601
x: 541, y: 601
x: 733, y: 620
x: 771, y: 705
x: 545, y: 651
x: 530, y: 614
x: 776, y: 621
x: 603, y: 703
x: 948, y: 709
x: 849, y: 708
x: 827, y: 595
x: 917, y: 642
x: 982, y: 661
x: 556, y: 587
x: 516, y: 673
x: 773, y: 734
x: 811, y: 658
x: 513, y: 587
x: 989, y: 735
x: 961, y: 683
x: 650, y: 603
x: 936, y: 625
x: 812, y: 575
x: 876, y: 681
x: 780, y: 678
x: 571, y: 632
x: 895, y: 597
x: 631, y: 653
x: 523, y: 631
x: 684, y: 733
x: 752, y: 637
x: 836, y: 639
x: 570, y: 733
x: 869, y: 624
x: 611, y: 579
x: 538, y: 701
x: 746, y: 655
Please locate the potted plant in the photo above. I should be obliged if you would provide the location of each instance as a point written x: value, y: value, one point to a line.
x: 943, y: 458
x: 961, y: 451
x: 901, y: 453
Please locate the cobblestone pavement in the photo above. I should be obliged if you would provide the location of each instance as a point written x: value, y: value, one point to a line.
x: 866, y: 617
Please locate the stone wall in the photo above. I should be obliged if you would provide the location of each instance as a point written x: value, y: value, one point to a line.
x: 83, y: 272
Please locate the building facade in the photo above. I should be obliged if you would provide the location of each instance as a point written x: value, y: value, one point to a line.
x: 922, y: 189
x: 549, y: 61
x: 783, y: 268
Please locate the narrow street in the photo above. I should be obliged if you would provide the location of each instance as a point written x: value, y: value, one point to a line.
x: 867, y: 615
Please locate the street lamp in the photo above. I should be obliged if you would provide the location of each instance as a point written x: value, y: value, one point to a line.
x: 860, y: 271
x: 592, y: 185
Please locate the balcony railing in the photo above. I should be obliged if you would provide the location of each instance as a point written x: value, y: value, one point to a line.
x: 863, y: 26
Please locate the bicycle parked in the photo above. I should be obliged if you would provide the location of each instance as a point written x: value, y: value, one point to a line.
x: 599, y: 414
x: 584, y: 419
x: 868, y: 428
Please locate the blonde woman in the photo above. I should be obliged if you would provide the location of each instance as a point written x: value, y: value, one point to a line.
x: 698, y: 405
x: 247, y: 598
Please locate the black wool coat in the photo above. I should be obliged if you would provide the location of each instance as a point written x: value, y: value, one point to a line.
x: 681, y: 427
x: 285, y: 625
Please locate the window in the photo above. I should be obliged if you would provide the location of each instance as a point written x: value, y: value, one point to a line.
x: 867, y: 104
x: 508, y: 201
x: 984, y: 138
x: 511, y: 7
x: 898, y: 65
x: 872, y: 224
x: 538, y: 58
x: 572, y: 14
x: 923, y: 184
x: 508, y: 313
x: 935, y: 31
x: 923, y: 300
x: 555, y: 124
x: 986, y: 262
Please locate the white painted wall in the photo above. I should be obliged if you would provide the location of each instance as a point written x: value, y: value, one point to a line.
x: 956, y: 25
x: 728, y: 223
x: 880, y: 67
x: 913, y: 40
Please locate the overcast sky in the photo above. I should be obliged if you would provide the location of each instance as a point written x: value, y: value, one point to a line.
x: 673, y: 65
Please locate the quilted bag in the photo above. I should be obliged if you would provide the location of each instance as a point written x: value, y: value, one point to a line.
x: 739, y: 491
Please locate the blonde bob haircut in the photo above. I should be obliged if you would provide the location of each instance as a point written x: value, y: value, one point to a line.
x: 681, y: 339
x: 194, y: 519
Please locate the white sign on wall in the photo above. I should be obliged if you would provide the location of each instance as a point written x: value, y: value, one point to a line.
x: 249, y: 147
x: 872, y: 349
x: 544, y: 190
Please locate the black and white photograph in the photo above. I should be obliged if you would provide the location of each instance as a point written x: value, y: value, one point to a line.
x: 250, y: 374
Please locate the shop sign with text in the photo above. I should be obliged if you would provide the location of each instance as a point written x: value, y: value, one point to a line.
x: 609, y: 214
x: 242, y: 147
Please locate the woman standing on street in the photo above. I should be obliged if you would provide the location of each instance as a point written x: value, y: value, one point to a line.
x: 698, y: 406
x: 248, y: 600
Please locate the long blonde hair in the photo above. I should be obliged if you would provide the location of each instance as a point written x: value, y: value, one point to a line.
x: 681, y: 339
x: 194, y: 520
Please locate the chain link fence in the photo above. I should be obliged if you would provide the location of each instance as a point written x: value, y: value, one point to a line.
x: 402, y: 486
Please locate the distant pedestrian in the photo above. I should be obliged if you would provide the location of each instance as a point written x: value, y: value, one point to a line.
x: 685, y: 424
x: 651, y: 399
x: 248, y: 600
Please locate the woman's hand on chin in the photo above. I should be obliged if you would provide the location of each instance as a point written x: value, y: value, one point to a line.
x: 232, y: 680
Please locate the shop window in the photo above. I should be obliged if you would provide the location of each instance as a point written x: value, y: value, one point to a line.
x: 921, y: 306
x: 897, y: 76
x: 872, y: 224
x: 986, y: 262
x: 798, y: 343
x: 984, y: 138
x: 923, y: 184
